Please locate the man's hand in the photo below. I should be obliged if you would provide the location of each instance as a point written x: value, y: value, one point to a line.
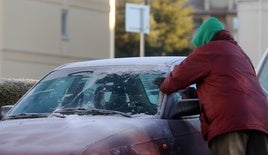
x: 189, y: 92
x: 158, y: 81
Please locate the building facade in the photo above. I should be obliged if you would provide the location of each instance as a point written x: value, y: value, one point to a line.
x: 252, y: 31
x: 38, y: 35
x: 224, y: 10
x: 246, y: 19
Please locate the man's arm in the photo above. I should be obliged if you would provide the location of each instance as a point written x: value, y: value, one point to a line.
x: 188, y: 72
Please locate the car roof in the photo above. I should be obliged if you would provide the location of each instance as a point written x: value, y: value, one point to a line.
x: 159, y: 60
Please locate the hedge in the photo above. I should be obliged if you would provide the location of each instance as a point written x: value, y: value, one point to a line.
x: 11, y: 90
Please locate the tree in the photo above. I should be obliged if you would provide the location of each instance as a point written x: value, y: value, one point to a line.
x: 170, y: 29
x: 126, y: 44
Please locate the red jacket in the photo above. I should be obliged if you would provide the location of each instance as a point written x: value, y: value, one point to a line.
x: 229, y: 92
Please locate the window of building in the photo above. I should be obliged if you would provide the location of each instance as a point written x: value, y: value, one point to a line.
x: 235, y: 23
x: 64, y: 30
x: 197, y: 22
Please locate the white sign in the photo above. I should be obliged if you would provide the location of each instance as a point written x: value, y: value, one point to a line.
x: 137, y: 18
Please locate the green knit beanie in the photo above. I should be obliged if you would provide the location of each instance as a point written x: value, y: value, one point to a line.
x: 206, y: 31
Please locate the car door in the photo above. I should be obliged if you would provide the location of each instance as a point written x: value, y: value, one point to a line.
x: 182, y: 115
x: 262, y: 71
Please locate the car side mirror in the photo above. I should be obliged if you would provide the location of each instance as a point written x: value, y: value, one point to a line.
x: 4, y: 110
x: 184, y: 107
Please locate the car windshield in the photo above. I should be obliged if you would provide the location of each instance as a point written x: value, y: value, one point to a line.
x: 95, y: 88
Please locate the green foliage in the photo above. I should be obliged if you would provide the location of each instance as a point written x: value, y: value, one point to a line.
x: 126, y: 44
x: 170, y: 29
x: 11, y: 90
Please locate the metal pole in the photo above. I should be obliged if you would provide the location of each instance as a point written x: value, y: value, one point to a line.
x: 142, y: 39
x: 260, y: 29
x: 142, y: 33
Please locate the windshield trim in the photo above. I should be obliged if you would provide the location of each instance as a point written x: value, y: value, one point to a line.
x: 83, y: 111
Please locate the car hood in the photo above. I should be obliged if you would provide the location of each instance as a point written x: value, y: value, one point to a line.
x: 80, y: 134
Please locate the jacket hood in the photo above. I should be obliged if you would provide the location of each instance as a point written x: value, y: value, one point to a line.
x: 223, y: 35
x: 206, y: 31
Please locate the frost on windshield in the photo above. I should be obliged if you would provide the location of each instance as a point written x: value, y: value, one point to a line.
x: 121, y: 90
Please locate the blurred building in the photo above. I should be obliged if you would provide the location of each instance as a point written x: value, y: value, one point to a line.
x: 224, y: 10
x: 246, y: 19
x: 252, y: 31
x: 38, y: 35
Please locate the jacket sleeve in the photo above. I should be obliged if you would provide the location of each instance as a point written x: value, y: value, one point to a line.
x: 190, y: 71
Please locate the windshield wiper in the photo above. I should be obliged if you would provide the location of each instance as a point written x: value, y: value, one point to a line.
x: 27, y: 115
x: 83, y: 111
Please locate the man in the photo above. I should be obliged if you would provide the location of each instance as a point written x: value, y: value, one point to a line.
x: 234, y: 109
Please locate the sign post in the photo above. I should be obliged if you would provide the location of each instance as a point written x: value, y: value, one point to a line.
x: 137, y: 20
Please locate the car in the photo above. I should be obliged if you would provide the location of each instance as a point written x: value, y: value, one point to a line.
x: 104, y: 107
x: 262, y: 71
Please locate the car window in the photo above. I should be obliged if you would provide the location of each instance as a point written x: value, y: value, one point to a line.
x: 132, y: 93
x: 151, y: 90
x: 263, y: 75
